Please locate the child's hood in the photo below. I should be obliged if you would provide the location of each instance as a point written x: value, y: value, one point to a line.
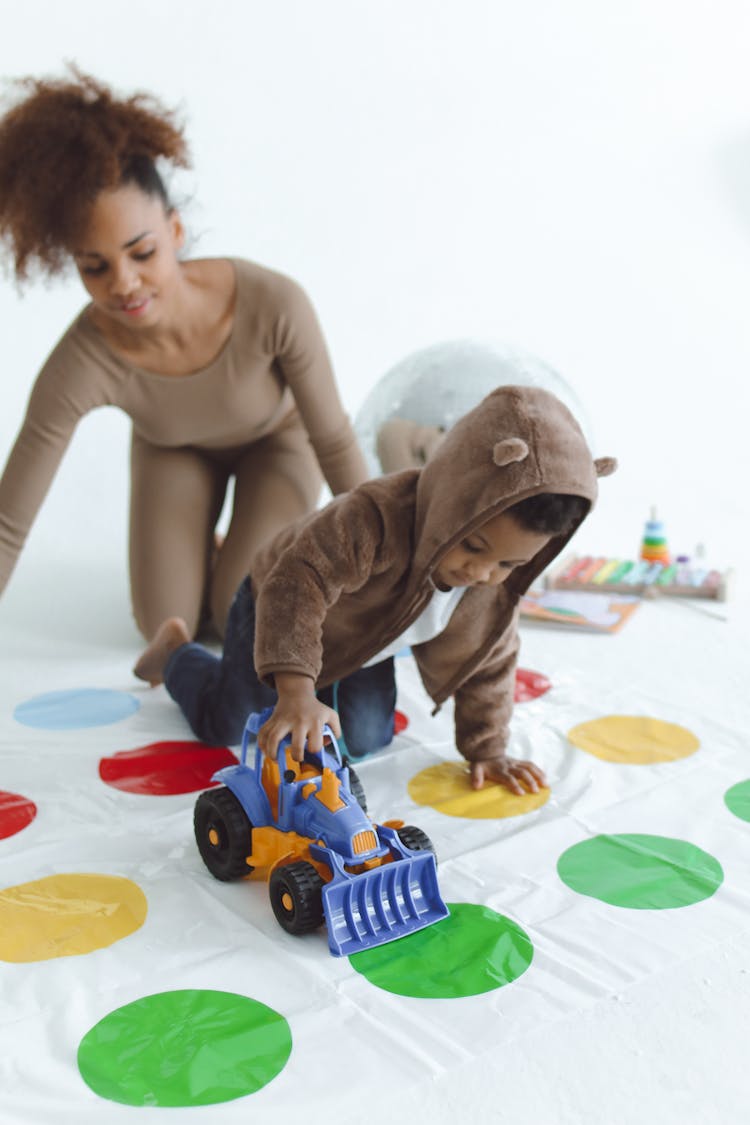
x: 518, y: 442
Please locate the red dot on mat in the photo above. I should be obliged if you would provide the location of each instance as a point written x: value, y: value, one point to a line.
x: 15, y: 813
x: 529, y: 685
x: 163, y: 769
x: 400, y: 722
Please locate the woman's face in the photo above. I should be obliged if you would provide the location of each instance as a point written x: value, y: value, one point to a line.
x: 127, y: 255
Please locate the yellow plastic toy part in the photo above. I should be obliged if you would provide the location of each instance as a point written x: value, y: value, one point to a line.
x: 329, y: 791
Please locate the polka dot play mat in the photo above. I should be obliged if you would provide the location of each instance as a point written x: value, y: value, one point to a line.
x: 139, y: 983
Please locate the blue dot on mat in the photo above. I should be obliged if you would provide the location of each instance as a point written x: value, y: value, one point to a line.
x: 75, y: 709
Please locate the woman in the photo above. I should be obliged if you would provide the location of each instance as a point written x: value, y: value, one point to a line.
x: 219, y: 363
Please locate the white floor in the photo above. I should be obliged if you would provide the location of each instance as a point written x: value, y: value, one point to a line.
x: 623, y: 1016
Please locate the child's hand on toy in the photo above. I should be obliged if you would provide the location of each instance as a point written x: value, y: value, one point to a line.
x: 516, y: 775
x: 297, y: 713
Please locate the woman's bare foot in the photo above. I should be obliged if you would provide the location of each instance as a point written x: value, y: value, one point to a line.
x: 151, y: 663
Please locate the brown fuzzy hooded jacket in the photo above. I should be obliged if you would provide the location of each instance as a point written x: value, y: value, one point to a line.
x: 334, y: 589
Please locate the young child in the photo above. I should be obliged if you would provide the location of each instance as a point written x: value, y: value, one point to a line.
x: 435, y: 558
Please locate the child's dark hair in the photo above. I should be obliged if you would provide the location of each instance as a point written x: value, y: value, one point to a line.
x: 62, y: 144
x: 549, y: 513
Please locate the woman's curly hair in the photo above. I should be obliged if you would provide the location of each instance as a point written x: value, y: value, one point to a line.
x: 63, y: 143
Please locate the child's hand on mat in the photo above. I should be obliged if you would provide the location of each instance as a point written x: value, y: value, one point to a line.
x: 297, y: 713
x: 516, y: 775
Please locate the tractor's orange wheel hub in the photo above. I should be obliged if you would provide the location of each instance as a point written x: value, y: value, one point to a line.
x: 286, y: 902
x: 213, y: 837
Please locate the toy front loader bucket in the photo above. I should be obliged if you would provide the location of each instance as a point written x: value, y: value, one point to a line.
x: 382, y: 904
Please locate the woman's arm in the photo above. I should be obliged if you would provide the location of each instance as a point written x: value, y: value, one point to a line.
x: 303, y: 358
x: 56, y: 404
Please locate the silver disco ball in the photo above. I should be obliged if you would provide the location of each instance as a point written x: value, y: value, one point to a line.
x: 438, y: 385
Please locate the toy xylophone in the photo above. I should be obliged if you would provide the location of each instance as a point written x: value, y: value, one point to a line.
x: 642, y: 576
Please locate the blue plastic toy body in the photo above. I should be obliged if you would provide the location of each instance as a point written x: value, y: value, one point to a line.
x: 373, y: 887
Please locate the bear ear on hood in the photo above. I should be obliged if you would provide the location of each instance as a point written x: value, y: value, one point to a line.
x: 605, y: 466
x: 509, y: 450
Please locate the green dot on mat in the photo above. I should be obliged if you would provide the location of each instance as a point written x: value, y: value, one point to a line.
x: 737, y: 799
x: 473, y: 950
x: 184, y: 1048
x: 641, y: 872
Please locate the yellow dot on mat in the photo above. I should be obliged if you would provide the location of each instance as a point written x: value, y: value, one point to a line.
x: 446, y: 787
x: 64, y: 915
x: 634, y: 739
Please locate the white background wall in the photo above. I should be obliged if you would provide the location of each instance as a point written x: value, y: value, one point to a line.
x: 570, y: 176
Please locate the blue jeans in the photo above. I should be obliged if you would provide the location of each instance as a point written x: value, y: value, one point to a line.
x: 217, y: 693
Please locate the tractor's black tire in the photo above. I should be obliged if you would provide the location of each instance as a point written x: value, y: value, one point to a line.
x: 414, y: 838
x: 295, y: 890
x: 357, y: 788
x: 223, y: 833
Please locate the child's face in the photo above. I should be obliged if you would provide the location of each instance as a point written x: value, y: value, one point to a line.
x: 488, y: 555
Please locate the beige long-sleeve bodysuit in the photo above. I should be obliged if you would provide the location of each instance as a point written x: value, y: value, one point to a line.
x: 266, y: 411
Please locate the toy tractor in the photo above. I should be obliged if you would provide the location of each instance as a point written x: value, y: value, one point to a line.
x: 305, y: 825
